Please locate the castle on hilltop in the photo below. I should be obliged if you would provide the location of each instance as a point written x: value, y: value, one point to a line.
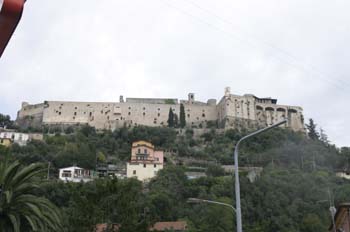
x: 232, y: 111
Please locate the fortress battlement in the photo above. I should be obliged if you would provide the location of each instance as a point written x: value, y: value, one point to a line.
x: 232, y: 111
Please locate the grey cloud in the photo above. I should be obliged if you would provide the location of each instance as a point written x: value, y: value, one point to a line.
x: 294, y: 50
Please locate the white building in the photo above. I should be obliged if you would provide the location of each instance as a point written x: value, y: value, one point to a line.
x: 20, y: 138
x: 345, y: 175
x: 16, y: 137
x: 75, y: 174
x: 145, y: 161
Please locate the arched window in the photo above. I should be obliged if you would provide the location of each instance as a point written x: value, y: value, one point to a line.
x: 259, y: 108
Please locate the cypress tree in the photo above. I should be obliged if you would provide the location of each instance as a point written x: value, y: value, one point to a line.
x: 312, y: 132
x: 182, y: 116
x: 171, y: 118
x: 176, y: 121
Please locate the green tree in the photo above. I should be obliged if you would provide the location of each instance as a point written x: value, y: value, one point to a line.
x: 323, y: 137
x: 101, y: 158
x: 182, y: 116
x: 5, y: 121
x: 176, y: 121
x: 215, y: 171
x: 171, y: 118
x: 312, y: 131
x: 20, y: 209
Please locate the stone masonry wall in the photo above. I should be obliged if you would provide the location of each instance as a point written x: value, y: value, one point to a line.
x: 231, y: 112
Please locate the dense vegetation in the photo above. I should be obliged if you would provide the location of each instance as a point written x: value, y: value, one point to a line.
x: 292, y: 194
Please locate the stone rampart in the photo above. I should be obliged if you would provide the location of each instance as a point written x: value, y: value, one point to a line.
x: 232, y: 111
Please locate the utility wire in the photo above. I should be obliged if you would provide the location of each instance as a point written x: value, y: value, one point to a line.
x: 232, y: 35
x: 268, y: 44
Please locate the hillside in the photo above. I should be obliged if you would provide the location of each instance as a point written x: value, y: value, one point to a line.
x: 291, y: 194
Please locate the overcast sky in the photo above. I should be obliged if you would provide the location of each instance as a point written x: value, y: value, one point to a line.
x: 297, y: 51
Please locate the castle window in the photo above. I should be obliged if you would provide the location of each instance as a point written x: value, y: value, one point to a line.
x: 84, y: 112
x: 203, y: 115
x: 145, y: 151
x: 158, y: 114
x: 59, y: 113
x: 75, y: 107
x: 134, y: 172
x: 129, y: 113
x: 90, y: 114
x: 158, y: 109
x: 107, y: 117
x: 129, y: 108
x: 73, y: 118
x: 139, y: 150
x: 144, y: 113
x: 155, y: 122
x: 101, y: 111
x: 144, y: 165
x: 188, y: 115
x: 155, y: 165
x: 144, y: 108
x: 75, y: 113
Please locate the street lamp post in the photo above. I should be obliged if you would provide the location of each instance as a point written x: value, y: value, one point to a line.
x: 237, y: 187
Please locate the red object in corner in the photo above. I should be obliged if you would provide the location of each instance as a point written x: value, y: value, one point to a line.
x: 10, y: 14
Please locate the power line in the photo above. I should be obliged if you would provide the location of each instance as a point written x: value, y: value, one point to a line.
x: 298, y: 67
x: 283, y: 51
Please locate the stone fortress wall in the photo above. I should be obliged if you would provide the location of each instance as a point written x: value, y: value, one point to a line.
x: 232, y: 111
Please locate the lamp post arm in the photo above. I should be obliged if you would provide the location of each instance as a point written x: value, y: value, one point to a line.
x: 196, y: 200
x: 220, y: 203
x: 261, y: 131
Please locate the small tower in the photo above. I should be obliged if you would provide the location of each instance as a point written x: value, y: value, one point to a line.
x: 24, y: 104
x: 227, y: 91
x: 191, y: 98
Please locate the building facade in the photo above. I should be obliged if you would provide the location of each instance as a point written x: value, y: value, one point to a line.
x: 232, y: 111
x: 341, y: 221
x: 5, y: 142
x: 9, y: 137
x: 75, y: 174
x: 145, y: 161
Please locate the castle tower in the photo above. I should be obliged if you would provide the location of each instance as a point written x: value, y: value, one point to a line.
x: 227, y: 91
x: 191, y: 98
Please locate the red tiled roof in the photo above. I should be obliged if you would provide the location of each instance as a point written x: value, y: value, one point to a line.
x: 161, y: 226
x: 103, y: 227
